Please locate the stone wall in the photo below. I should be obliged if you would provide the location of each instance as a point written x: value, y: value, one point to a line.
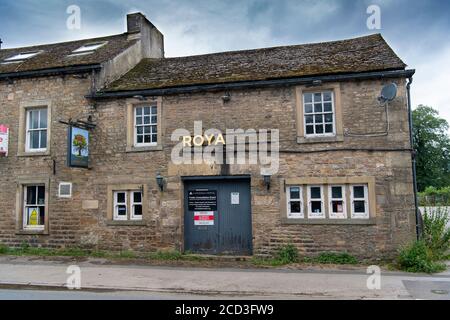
x: 71, y: 225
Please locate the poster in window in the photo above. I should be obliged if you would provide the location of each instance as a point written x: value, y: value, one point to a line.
x: 4, y: 140
x: 33, y: 217
x: 78, y: 148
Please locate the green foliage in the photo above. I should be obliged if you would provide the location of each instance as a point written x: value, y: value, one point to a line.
x: 417, y: 257
x: 435, y: 197
x: 3, y: 249
x: 432, y: 146
x: 436, y: 234
x: 336, y: 258
x: 166, y: 255
x: 287, y: 254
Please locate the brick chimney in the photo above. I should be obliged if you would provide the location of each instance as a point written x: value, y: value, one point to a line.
x: 152, y: 40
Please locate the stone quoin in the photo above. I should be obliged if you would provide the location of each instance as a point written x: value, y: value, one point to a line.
x: 344, y: 177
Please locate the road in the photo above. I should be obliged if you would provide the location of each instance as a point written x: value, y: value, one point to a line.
x: 27, y: 294
x: 101, y: 280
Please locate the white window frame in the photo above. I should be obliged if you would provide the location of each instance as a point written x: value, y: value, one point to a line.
x: 334, y: 215
x: 333, y: 110
x: 151, y: 124
x: 20, y: 57
x: 359, y: 215
x: 116, y: 215
x: 37, y: 205
x: 295, y: 215
x: 65, y: 195
x: 88, y: 48
x: 133, y: 204
x: 29, y: 131
x: 313, y: 215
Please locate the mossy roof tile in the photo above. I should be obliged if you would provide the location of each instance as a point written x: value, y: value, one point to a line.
x: 364, y: 54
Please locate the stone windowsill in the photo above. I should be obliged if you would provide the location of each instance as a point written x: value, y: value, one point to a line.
x: 143, y: 149
x: 126, y: 223
x: 32, y: 232
x: 303, y: 140
x: 364, y: 222
x: 33, y: 154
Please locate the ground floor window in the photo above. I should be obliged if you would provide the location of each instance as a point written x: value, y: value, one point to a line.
x: 360, y: 202
x: 127, y: 205
x: 34, y: 207
x: 315, y: 201
x: 295, y: 202
x: 337, y: 197
x: 340, y: 201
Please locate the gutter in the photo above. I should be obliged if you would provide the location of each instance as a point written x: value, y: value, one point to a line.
x: 413, y: 161
x: 253, y: 84
x: 49, y: 72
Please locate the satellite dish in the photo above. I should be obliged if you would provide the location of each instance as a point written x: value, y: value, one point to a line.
x: 388, y: 93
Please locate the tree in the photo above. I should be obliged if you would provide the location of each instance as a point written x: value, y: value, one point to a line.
x: 432, y: 146
x: 80, y: 143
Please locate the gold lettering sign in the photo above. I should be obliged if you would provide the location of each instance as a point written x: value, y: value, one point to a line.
x: 201, y: 140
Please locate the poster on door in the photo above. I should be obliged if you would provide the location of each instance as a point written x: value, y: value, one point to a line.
x: 205, y: 218
x: 4, y: 140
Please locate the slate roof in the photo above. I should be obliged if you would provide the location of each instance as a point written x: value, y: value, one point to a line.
x: 364, y: 54
x: 56, y: 55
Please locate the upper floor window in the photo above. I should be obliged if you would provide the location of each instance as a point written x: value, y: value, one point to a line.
x: 87, y: 48
x: 145, y: 126
x: 36, y: 130
x: 21, y: 57
x: 319, y: 114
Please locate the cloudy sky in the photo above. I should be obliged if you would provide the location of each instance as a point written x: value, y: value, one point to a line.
x: 418, y: 30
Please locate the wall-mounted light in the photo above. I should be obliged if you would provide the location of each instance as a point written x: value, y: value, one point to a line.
x: 226, y: 97
x: 160, y: 181
x: 267, y: 178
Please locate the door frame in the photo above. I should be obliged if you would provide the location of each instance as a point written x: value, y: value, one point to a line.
x: 185, y: 179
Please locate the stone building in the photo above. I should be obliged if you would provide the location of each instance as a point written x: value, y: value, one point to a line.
x: 343, y: 175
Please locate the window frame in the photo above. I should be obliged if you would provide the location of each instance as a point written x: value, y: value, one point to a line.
x: 133, y: 216
x: 28, y: 130
x: 87, y: 48
x: 116, y: 216
x: 323, y: 113
x: 151, y: 124
x: 369, y: 220
x: 25, y: 206
x: 127, y: 188
x: 331, y: 214
x: 132, y: 103
x: 291, y: 215
x: 335, y: 88
x: 312, y: 215
x: 21, y: 57
x: 358, y: 215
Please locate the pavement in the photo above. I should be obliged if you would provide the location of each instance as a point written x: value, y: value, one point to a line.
x: 102, y: 280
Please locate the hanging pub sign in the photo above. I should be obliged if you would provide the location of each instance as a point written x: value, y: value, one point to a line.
x: 4, y: 140
x: 78, y: 148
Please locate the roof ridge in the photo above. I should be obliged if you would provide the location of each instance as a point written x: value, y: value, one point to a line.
x: 62, y: 43
x: 274, y: 47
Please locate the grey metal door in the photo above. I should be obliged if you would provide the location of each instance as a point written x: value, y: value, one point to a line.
x: 218, y: 216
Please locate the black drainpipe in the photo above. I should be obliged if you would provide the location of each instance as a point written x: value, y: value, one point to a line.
x: 413, y: 159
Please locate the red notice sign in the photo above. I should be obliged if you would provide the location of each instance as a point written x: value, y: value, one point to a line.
x: 4, y: 140
x: 204, y: 218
